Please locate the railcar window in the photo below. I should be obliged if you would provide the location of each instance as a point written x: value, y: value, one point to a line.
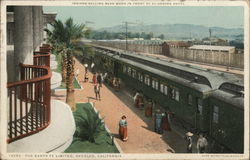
x: 199, y: 105
x: 124, y: 69
x: 140, y: 77
x: 175, y: 94
x: 155, y: 83
x: 133, y: 73
x: 129, y: 71
x: 190, y: 99
x: 164, y: 88
x: 216, y: 114
x: 146, y: 80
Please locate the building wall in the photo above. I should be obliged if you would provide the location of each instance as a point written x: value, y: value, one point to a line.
x: 145, y: 48
x: 212, y: 57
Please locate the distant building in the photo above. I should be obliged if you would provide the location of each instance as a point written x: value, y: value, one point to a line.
x: 178, y: 44
x: 228, y: 49
x: 214, y: 41
x: 153, y: 39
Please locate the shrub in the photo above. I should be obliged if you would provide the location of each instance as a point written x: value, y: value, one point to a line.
x: 88, y: 123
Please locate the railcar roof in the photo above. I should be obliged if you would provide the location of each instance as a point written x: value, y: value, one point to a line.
x: 184, y: 82
x: 235, y: 100
x: 199, y: 87
x: 214, y: 78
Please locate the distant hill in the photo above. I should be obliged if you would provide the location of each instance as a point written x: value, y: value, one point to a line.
x: 179, y: 31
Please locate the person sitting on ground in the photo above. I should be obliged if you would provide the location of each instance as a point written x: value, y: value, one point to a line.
x: 201, y: 144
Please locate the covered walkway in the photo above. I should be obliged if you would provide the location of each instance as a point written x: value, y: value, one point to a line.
x: 142, y: 138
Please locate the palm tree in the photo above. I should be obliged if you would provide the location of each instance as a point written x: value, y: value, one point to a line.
x: 55, y: 39
x: 65, y: 37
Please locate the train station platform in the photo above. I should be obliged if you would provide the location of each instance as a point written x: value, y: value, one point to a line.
x: 142, y: 138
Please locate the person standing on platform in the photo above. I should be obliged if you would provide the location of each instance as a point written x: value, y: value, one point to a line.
x: 97, y: 91
x: 201, y: 144
x: 99, y: 79
x: 86, y: 67
x: 190, y: 142
x: 123, y: 130
x: 149, y: 108
x: 94, y: 80
x: 86, y: 77
x: 139, y: 102
x: 165, y: 122
x: 158, y: 121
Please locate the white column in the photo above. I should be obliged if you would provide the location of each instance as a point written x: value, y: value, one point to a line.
x: 23, y: 37
x: 41, y: 25
x: 36, y: 27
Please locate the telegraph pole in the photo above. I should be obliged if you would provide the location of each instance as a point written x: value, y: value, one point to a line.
x: 126, y: 26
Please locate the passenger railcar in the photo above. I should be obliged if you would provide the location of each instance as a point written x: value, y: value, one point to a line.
x: 227, y: 117
x: 190, y: 93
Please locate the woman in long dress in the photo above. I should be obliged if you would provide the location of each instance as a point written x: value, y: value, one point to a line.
x: 123, y: 130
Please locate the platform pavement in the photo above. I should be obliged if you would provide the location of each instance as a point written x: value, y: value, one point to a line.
x: 113, y: 105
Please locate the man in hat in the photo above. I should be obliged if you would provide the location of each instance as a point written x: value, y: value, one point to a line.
x: 201, y: 144
x: 190, y: 142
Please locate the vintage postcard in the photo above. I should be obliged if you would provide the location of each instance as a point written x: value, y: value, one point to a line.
x: 124, y: 79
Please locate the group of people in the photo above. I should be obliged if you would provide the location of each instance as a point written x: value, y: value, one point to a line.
x: 201, y: 143
x: 97, y: 79
x: 113, y: 82
x: 161, y: 120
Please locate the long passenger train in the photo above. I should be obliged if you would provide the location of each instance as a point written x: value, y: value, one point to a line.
x: 203, y: 100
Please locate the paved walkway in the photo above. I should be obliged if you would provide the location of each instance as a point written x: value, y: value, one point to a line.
x: 112, y: 106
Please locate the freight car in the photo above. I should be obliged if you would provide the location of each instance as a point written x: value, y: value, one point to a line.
x: 204, y: 100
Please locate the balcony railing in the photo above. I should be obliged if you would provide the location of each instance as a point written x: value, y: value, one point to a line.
x: 41, y: 58
x: 29, y: 99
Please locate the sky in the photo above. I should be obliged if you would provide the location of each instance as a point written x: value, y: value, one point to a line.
x: 227, y: 17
